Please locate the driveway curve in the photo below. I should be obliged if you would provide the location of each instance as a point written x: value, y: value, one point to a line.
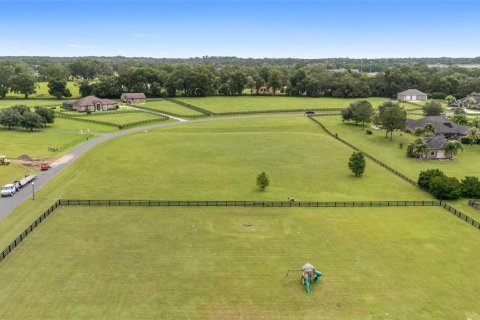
x: 7, y: 205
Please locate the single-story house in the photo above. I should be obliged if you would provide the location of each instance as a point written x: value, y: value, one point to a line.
x: 435, y: 147
x: 90, y: 103
x: 412, y: 95
x: 462, y: 102
x: 136, y: 97
x: 443, y: 126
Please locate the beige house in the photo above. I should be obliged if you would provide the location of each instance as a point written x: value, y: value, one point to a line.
x: 90, y: 103
x: 412, y: 95
x: 134, y: 97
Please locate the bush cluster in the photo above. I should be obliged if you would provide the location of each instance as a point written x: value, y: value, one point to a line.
x: 22, y: 116
x: 448, y: 188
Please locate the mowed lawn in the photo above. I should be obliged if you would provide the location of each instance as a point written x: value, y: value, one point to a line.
x: 230, y: 263
x: 220, y: 161
x: 5, y: 103
x: 64, y: 134
x: 122, y: 118
x: 464, y: 163
x: 266, y: 103
x: 41, y: 91
x: 165, y: 105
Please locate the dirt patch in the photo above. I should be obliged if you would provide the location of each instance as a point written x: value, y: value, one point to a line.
x: 27, y: 161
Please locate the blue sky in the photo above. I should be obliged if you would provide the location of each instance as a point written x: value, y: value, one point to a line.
x: 302, y: 29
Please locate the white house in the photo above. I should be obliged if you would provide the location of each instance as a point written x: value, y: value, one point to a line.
x: 411, y: 95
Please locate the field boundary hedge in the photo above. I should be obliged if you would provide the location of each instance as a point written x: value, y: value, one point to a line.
x: 205, y: 203
x: 399, y: 174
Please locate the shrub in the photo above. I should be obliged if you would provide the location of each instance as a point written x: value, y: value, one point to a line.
x: 445, y: 188
x: 262, y: 181
x: 465, y: 140
x: 357, y: 163
x: 400, y: 145
x: 470, y: 187
x: 437, y: 95
x: 368, y: 131
x: 425, y: 177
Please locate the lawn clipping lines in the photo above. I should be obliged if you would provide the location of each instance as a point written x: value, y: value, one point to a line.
x: 259, y: 204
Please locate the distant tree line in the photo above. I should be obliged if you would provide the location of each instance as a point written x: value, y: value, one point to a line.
x: 109, y: 77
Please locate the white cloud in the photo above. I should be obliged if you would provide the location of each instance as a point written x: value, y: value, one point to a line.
x: 73, y: 45
x: 145, y: 35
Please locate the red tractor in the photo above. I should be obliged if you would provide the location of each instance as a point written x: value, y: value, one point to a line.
x: 45, y: 166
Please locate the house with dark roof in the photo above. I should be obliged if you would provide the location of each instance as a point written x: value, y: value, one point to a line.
x: 462, y: 103
x: 133, y: 97
x: 435, y: 147
x: 443, y: 126
x: 411, y: 95
x: 90, y: 103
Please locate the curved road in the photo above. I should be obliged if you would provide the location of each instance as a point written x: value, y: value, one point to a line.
x: 9, y: 204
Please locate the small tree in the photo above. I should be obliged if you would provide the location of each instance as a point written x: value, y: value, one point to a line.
x: 470, y: 187
x: 452, y: 148
x: 10, y: 117
x: 470, y: 102
x: 392, y: 117
x: 432, y: 108
x: 58, y: 88
x: 357, y: 163
x: 473, y: 135
x: 31, y: 120
x: 450, y: 100
x: 47, y: 114
x: 263, y: 181
x: 445, y: 188
x: 460, y: 116
x: 425, y: 177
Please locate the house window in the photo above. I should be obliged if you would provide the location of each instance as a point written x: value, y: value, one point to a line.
x: 432, y: 153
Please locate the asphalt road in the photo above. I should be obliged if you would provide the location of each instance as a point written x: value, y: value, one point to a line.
x: 7, y: 205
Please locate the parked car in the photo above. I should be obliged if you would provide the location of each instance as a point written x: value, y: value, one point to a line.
x: 45, y: 166
x: 309, y: 113
x: 8, y: 190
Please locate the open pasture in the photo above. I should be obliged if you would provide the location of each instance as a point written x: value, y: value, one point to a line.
x: 165, y: 105
x: 220, y: 104
x: 5, y: 103
x: 220, y: 160
x: 122, y: 118
x: 217, y: 263
x: 465, y: 163
x: 42, y: 91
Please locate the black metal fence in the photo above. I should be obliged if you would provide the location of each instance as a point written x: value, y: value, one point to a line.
x: 190, y: 116
x: 461, y: 215
x: 474, y: 203
x: 27, y: 231
x: 399, y: 174
x: 190, y: 106
x: 208, y: 203
x: 111, y: 124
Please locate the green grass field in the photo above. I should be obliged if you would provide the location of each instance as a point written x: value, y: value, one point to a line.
x: 256, y: 103
x: 164, y: 105
x: 207, y: 263
x: 64, y: 133
x: 42, y: 91
x: 216, y: 263
x: 178, y: 162
x: 464, y: 163
x: 5, y: 103
x: 122, y: 118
